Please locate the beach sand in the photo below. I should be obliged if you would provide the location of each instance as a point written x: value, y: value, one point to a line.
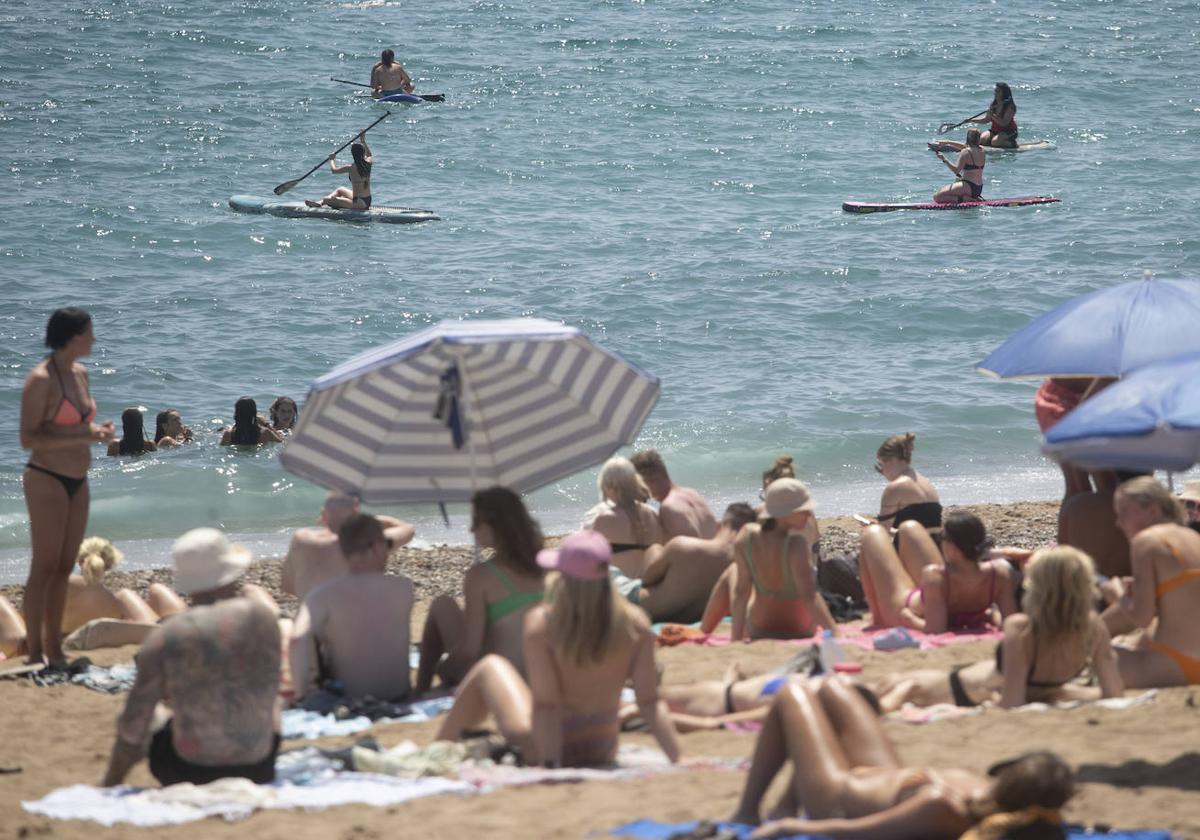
x: 1139, y: 768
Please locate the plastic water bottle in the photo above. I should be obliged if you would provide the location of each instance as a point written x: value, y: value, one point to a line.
x: 830, y: 651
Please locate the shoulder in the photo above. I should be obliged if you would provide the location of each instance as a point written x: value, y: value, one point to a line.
x: 933, y: 575
x: 1017, y: 624
x: 1001, y: 567
x: 537, y: 622
x: 1154, y: 539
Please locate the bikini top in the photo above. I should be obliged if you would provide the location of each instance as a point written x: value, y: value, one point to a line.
x: 1183, y: 578
x: 967, y: 167
x: 928, y: 514
x: 1029, y: 680
x: 970, y: 618
x: 788, y: 591
x: 513, y: 602
x: 617, y: 548
x: 68, y: 413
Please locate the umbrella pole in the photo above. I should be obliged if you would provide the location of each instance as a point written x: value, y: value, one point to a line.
x: 465, y: 417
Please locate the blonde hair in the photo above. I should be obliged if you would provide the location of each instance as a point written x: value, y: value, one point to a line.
x: 899, y: 447
x: 1060, y: 590
x: 782, y: 468
x: 96, y: 556
x: 620, y: 484
x: 1147, y: 491
x: 588, y: 618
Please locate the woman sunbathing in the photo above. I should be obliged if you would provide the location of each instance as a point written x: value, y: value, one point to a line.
x: 849, y: 781
x: 908, y: 494
x: 1165, y: 555
x: 497, y: 593
x: 580, y: 648
x: 623, y: 516
x: 918, y: 587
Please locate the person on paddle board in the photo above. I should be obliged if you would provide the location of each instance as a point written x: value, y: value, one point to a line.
x: 358, y: 196
x: 968, y: 168
x: 388, y: 77
x: 1002, y: 114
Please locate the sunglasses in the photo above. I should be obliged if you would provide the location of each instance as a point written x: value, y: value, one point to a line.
x: 1190, y: 505
x: 878, y: 468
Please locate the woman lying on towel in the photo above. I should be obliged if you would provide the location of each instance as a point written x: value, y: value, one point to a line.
x: 497, y: 593
x: 580, y: 648
x: 922, y: 588
x: 87, y: 598
x: 1165, y: 555
x: 849, y: 781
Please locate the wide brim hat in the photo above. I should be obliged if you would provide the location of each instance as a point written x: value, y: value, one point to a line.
x: 1190, y: 491
x: 785, y: 496
x: 206, y: 560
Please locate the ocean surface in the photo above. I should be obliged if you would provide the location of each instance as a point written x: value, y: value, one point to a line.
x: 665, y: 175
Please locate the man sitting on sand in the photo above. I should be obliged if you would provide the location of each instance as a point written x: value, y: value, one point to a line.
x: 354, y: 630
x: 682, y: 511
x: 680, y: 575
x: 388, y: 77
x: 314, y: 556
x: 216, y: 666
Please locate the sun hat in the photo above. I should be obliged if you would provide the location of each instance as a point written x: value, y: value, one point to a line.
x: 1190, y: 491
x: 582, y: 555
x: 784, y: 496
x: 206, y: 560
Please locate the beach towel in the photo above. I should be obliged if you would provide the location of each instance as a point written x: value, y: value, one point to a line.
x: 864, y: 637
x: 654, y: 830
x: 307, y: 724
x: 633, y: 762
x: 114, y: 679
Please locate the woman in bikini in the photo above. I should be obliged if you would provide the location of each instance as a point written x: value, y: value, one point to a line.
x: 169, y: 429
x: 358, y: 196
x: 849, y: 781
x: 497, y: 594
x: 968, y: 169
x: 1165, y: 555
x: 249, y: 428
x: 58, y: 429
x: 922, y: 588
x: 908, y: 494
x: 581, y: 647
x: 133, y: 435
x: 623, y: 517
x: 775, y: 592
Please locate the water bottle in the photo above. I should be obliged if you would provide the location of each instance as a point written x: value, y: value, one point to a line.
x: 830, y: 651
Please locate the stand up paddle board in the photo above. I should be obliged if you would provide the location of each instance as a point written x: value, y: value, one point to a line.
x: 403, y: 98
x: 869, y: 207
x: 1031, y: 146
x: 300, y: 210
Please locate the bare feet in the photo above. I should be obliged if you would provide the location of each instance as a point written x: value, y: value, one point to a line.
x: 312, y: 203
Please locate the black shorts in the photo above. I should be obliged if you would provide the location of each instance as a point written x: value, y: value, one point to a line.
x: 170, y: 769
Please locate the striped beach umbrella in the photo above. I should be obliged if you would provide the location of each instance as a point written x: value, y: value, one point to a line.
x: 465, y: 405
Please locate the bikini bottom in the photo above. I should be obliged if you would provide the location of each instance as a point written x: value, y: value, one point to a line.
x: 71, y: 485
x: 1189, y: 665
x: 957, y: 691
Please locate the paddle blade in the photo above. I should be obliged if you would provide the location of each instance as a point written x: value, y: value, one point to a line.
x: 433, y: 97
x: 944, y: 127
x: 287, y: 185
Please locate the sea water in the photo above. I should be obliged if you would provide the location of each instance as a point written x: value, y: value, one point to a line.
x: 666, y: 176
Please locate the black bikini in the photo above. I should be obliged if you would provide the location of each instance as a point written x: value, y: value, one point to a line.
x: 71, y: 485
x: 960, y: 695
x: 927, y: 514
x: 617, y: 548
x: 976, y: 189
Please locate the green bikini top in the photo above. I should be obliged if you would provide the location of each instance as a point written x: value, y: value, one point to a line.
x: 788, y: 591
x: 513, y: 602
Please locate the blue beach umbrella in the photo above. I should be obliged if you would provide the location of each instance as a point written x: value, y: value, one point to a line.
x: 463, y: 405
x: 1105, y: 333
x: 1150, y: 420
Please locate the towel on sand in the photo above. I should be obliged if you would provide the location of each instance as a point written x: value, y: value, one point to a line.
x: 303, y: 723
x: 653, y: 830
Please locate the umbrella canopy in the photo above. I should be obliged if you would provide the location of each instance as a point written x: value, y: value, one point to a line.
x: 1105, y: 333
x: 465, y: 405
x: 1149, y: 420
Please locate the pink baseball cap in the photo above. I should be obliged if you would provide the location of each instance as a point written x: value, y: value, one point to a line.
x: 582, y: 555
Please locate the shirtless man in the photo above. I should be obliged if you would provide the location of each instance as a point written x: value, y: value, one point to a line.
x: 216, y: 666
x: 682, y: 511
x: 355, y: 629
x: 388, y: 77
x: 680, y: 575
x: 314, y: 557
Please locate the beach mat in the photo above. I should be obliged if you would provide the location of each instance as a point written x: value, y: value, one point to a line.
x: 849, y: 634
x: 654, y: 830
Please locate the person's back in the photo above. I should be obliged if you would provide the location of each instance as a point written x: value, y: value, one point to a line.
x: 780, y: 574
x: 629, y: 539
x: 685, y: 513
x: 509, y: 595
x: 218, y: 669
x: 1089, y: 524
x: 1173, y: 551
x: 693, y: 568
x: 313, y: 558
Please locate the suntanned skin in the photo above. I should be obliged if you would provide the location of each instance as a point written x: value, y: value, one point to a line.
x: 390, y: 78
x: 680, y: 575
x: 615, y: 525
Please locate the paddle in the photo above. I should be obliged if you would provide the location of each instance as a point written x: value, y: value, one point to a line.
x: 428, y: 97
x: 944, y: 127
x: 287, y: 185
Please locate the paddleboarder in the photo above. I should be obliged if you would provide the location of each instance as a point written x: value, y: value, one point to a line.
x: 389, y: 77
x: 358, y: 195
x: 969, y: 171
x: 1002, y: 114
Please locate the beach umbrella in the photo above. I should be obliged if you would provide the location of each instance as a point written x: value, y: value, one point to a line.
x: 465, y: 405
x: 1150, y: 420
x: 1105, y: 333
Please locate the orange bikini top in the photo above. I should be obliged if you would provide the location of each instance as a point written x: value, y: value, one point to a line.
x: 68, y: 413
x: 1184, y: 577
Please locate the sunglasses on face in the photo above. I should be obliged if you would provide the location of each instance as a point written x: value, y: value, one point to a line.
x: 878, y: 468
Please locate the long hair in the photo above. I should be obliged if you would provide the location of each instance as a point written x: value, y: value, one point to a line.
x: 245, y: 423
x: 588, y: 618
x: 1147, y: 491
x: 276, y: 403
x: 133, y: 433
x: 96, y: 556
x: 160, y: 423
x: 899, y: 447
x: 1059, y: 593
x: 620, y: 484
x: 1001, y: 98
x: 968, y: 533
x: 65, y: 324
x: 518, y: 537
x: 360, y: 160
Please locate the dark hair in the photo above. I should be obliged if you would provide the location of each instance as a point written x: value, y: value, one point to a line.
x: 738, y: 515
x: 360, y: 159
x: 898, y: 446
x: 278, y: 401
x: 160, y: 423
x: 1002, y: 97
x: 133, y: 433
x: 518, y: 537
x: 782, y: 468
x: 1034, y: 779
x: 245, y: 423
x: 968, y: 533
x: 358, y: 533
x: 65, y: 324
x: 649, y: 462
x: 387, y: 58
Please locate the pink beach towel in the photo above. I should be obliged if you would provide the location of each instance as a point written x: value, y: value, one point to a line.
x: 864, y: 637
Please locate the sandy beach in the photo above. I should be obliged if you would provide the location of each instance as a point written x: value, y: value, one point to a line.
x: 1138, y: 768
